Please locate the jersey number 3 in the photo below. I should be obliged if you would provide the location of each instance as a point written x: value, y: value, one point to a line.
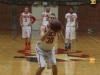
x: 25, y: 19
x: 46, y: 18
x: 50, y: 40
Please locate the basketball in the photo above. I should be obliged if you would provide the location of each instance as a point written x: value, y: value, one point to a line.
x: 56, y: 25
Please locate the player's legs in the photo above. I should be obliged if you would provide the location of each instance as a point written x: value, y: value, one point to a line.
x: 41, y: 63
x: 24, y: 35
x: 67, y: 37
x: 70, y: 43
x: 52, y: 61
x: 27, y: 43
x: 76, y: 35
x: 72, y: 36
x: 23, y: 32
x: 54, y: 70
x: 41, y: 60
x: 28, y: 38
x: 39, y: 70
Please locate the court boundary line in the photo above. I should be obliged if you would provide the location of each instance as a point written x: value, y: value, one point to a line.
x: 94, y: 39
x: 15, y: 37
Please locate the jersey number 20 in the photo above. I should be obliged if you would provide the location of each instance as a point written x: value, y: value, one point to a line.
x: 71, y: 19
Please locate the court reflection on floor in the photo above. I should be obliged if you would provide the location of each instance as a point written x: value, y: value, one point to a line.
x: 70, y: 68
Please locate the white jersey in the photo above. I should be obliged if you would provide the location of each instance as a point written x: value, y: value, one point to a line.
x: 45, y: 18
x: 71, y: 18
x: 48, y: 43
x: 26, y: 19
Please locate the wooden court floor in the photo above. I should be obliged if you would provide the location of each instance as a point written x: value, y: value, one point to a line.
x: 85, y: 55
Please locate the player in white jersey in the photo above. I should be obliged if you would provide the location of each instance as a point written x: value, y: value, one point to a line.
x: 45, y: 47
x: 44, y: 16
x: 26, y: 20
x: 71, y: 22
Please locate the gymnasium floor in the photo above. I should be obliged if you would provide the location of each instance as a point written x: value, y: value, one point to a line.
x: 85, y: 55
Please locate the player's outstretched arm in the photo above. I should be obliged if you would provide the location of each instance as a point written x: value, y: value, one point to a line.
x: 43, y: 34
x: 20, y: 20
x: 33, y: 20
x: 41, y: 19
x: 76, y: 24
x: 60, y: 35
x: 65, y: 19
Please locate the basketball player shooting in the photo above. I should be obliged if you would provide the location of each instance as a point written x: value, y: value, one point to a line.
x: 26, y: 20
x: 45, y: 50
x: 71, y: 22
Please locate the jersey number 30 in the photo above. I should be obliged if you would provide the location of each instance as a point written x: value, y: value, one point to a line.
x: 50, y: 40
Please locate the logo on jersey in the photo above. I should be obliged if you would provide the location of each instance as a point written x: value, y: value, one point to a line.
x: 26, y: 16
x: 50, y: 38
x: 46, y: 15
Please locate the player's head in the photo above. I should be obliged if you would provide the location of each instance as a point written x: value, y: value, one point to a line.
x: 71, y: 10
x: 26, y: 9
x: 47, y: 8
x: 52, y: 17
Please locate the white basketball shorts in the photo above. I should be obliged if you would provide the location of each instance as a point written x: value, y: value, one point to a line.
x: 42, y: 56
x: 70, y: 33
x: 26, y: 31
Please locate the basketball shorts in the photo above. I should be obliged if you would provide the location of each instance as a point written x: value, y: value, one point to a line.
x: 45, y: 57
x: 26, y: 31
x: 70, y: 33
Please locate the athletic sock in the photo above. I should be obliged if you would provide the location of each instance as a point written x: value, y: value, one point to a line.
x: 28, y: 46
x: 28, y: 43
x: 70, y: 44
x: 67, y: 45
x: 25, y: 45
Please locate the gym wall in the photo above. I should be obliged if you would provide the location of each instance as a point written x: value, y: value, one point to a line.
x: 88, y: 16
